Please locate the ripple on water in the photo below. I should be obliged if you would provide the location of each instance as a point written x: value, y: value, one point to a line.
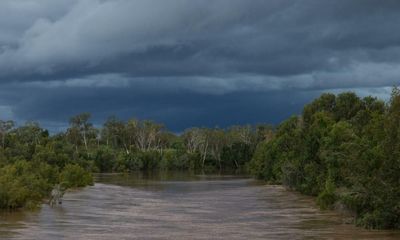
x: 133, y: 207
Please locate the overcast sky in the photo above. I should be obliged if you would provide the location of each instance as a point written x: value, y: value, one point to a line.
x: 191, y: 62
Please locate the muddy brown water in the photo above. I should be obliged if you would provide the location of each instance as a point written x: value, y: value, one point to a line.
x: 182, y: 206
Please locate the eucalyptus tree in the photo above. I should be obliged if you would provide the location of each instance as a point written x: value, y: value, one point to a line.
x: 148, y: 135
x: 243, y: 134
x: 130, y: 134
x: 113, y: 132
x: 193, y: 139
x: 204, y: 145
x: 217, y: 141
x: 81, y: 130
x: 169, y: 140
x: 31, y: 133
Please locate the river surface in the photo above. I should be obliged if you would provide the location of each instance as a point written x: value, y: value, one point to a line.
x: 182, y: 206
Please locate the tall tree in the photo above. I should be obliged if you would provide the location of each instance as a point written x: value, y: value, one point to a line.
x: 148, y: 135
x: 192, y: 139
x: 113, y: 131
x: 217, y: 141
x: 80, y: 126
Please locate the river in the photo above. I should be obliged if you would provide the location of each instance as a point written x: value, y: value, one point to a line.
x: 182, y: 206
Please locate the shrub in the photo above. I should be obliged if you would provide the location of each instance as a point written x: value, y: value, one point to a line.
x: 75, y: 176
x: 25, y: 184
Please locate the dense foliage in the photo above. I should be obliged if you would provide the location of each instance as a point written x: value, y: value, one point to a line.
x: 343, y: 149
x: 32, y: 162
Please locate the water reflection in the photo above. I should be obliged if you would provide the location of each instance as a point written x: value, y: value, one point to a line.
x: 182, y: 206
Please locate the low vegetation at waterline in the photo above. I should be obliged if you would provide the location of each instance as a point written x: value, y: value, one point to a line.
x: 343, y: 149
x: 32, y: 162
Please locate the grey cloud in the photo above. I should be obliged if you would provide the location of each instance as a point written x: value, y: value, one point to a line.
x: 128, y: 56
x: 178, y: 109
x: 142, y: 38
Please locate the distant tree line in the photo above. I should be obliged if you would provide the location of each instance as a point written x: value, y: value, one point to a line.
x: 132, y: 145
x: 343, y: 149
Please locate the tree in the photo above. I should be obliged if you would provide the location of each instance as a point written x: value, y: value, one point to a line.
x: 242, y: 134
x: 217, y: 141
x: 130, y: 134
x: 264, y: 132
x: 347, y: 106
x: 344, y: 150
x: 80, y: 127
x: 192, y: 139
x: 148, y: 135
x: 5, y: 127
x: 113, y: 132
x: 31, y: 133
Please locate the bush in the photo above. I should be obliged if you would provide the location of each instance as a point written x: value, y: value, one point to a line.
x: 327, y: 198
x: 75, y: 176
x: 24, y: 184
x: 173, y: 160
x: 150, y: 159
x: 104, y: 159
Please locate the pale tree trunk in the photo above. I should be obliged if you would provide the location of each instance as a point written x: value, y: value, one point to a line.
x: 219, y: 162
x: 84, y: 140
x: 126, y: 148
x: 217, y: 156
x: 205, y: 153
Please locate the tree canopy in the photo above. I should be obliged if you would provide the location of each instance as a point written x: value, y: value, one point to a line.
x: 343, y: 149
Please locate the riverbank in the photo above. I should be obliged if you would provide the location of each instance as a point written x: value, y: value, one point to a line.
x: 345, y: 151
x: 179, y: 207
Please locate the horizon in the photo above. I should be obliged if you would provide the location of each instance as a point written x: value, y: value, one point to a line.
x: 100, y: 124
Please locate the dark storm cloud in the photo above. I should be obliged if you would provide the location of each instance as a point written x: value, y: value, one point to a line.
x: 175, y: 108
x: 211, y: 62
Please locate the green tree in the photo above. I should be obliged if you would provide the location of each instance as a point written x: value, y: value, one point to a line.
x: 5, y: 127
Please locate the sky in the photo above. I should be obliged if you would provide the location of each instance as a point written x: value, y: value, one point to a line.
x: 191, y: 63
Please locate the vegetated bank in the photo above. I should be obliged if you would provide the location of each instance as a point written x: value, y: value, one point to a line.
x: 32, y: 162
x: 343, y: 149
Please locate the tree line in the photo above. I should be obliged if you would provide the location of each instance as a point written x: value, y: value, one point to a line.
x: 125, y: 146
x: 343, y: 149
